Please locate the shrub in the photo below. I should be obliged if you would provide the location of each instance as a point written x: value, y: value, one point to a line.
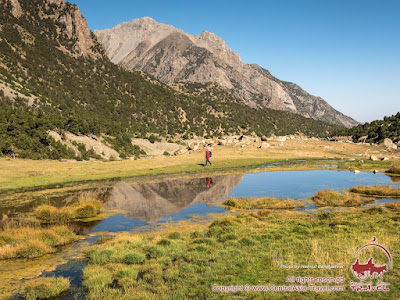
x: 43, y: 288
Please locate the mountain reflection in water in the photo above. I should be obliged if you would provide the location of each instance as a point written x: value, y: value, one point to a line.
x: 150, y: 202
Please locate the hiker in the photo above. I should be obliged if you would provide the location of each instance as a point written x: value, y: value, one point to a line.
x: 208, y: 155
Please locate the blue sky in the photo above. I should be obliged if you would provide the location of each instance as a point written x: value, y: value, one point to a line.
x: 347, y: 52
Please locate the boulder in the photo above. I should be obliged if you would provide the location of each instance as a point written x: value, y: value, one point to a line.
x: 264, y: 145
x: 385, y: 158
x: 281, y: 138
x: 388, y: 143
x: 373, y: 158
x: 264, y: 138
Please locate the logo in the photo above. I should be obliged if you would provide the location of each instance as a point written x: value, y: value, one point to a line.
x: 370, y: 270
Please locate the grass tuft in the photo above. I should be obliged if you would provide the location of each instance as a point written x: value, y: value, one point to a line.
x: 260, y: 203
x: 395, y: 168
x: 46, y: 287
x: 376, y: 190
x: 80, y: 210
x: 29, y: 242
x: 334, y: 199
x: 393, y: 205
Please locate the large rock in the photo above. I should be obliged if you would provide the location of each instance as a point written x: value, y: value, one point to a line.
x: 388, y: 143
x: 264, y: 145
x: 373, y: 158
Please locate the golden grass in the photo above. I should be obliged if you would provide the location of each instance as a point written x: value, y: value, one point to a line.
x: 32, y: 173
x: 30, y: 242
x: 46, y: 287
x: 80, y: 210
x: 395, y: 168
x: 376, y: 190
x: 334, y: 199
x: 261, y: 203
x: 393, y: 205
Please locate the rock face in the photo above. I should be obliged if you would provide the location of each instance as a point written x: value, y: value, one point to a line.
x: 172, y: 55
x: 71, y: 29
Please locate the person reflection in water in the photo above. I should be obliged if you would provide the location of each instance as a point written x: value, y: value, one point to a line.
x: 209, y: 181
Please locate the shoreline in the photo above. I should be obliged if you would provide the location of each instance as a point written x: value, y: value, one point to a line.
x: 23, y: 175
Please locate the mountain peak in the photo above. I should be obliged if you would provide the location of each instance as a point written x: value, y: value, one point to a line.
x: 172, y: 55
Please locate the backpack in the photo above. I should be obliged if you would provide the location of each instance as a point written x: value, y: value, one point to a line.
x: 210, y: 154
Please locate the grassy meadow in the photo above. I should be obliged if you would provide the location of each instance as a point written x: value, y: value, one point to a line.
x: 252, y: 248
x: 41, y: 173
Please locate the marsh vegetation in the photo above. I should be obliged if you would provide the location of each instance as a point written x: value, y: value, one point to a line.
x: 248, y: 248
x: 376, y: 190
x: 79, y: 210
x: 32, y: 242
x: 45, y: 287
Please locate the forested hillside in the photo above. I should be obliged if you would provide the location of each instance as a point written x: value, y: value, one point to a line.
x: 64, y: 80
x: 376, y: 131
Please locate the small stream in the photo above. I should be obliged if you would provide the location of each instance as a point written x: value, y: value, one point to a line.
x: 144, y: 206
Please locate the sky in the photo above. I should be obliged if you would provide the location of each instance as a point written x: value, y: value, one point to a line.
x: 347, y: 52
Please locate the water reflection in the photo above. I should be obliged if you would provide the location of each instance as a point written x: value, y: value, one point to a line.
x: 151, y: 202
x: 303, y: 184
x: 143, y: 203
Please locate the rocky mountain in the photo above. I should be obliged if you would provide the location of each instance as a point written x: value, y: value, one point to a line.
x: 172, y: 55
x: 58, y: 85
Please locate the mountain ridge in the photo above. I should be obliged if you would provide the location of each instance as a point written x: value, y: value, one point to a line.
x: 171, y: 55
x: 55, y: 77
